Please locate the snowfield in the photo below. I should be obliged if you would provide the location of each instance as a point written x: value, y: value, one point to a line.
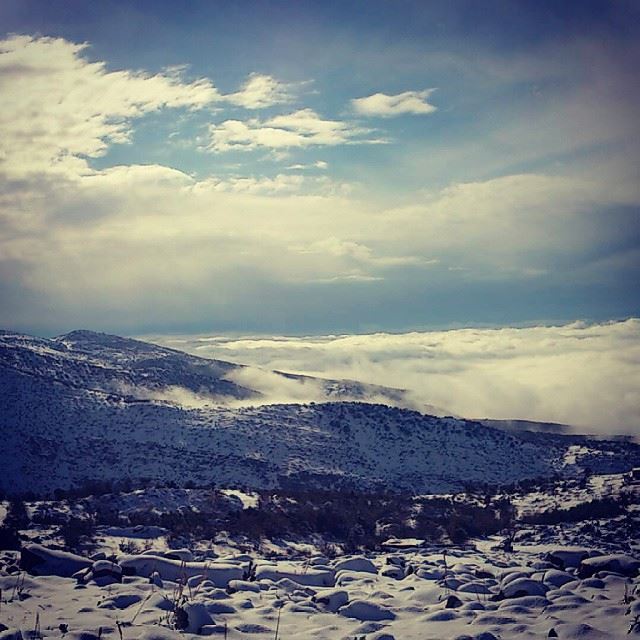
x: 414, y: 595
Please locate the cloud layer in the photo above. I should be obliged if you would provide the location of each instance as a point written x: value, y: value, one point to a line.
x: 579, y: 374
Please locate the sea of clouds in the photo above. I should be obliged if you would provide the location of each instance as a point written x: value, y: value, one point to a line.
x: 587, y: 375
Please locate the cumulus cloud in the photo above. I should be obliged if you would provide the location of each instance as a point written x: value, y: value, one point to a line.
x: 587, y: 375
x: 261, y: 91
x: 58, y: 109
x: 300, y: 129
x: 386, y: 106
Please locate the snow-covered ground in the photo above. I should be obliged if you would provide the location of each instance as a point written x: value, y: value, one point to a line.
x: 573, y: 492
x: 570, y: 580
x: 534, y: 592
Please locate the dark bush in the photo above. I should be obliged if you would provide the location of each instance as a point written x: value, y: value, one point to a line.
x: 75, y: 530
x: 9, y: 538
x: 593, y: 510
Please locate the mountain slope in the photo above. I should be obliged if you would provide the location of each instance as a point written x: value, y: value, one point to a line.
x: 83, y: 407
x: 127, y: 367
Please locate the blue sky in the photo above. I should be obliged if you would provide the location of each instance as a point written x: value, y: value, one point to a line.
x: 308, y: 167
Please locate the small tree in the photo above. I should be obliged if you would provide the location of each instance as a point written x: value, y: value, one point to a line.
x: 74, y: 530
x: 17, y: 515
x: 17, y: 518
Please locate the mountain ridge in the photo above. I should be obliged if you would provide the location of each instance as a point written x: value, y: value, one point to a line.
x: 116, y: 408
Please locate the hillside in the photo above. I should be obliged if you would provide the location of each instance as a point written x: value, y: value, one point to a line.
x: 141, y: 370
x: 88, y: 406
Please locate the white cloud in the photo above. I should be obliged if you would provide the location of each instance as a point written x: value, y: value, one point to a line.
x: 129, y: 239
x: 386, y: 106
x: 525, y: 222
x: 360, y: 254
x: 580, y: 374
x: 59, y: 109
x: 302, y: 128
x: 276, y: 388
x: 261, y: 91
x: 279, y: 184
x: 319, y: 164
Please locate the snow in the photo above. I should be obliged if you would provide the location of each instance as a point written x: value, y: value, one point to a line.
x: 517, y: 602
x: 411, y: 608
x: 46, y: 562
x: 93, y: 407
x: 168, y: 569
x: 249, y: 500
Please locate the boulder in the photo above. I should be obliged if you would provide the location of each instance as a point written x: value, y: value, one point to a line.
x: 41, y: 561
x: 366, y: 611
x: 615, y: 563
x: 395, y: 572
x: 105, y: 572
x: 331, y: 599
x: 566, y: 557
x: 358, y: 563
x: 179, y: 554
x: 524, y: 587
x: 146, y: 565
x: 554, y: 578
x: 242, y: 585
x: 452, y: 602
x: 312, y: 577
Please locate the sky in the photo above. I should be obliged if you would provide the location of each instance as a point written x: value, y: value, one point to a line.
x: 300, y: 168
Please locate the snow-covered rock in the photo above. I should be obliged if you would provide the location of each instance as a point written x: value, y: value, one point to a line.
x: 366, y: 611
x: 523, y: 587
x: 617, y: 563
x: 42, y: 561
x: 243, y: 585
x: 146, y: 565
x: 312, y: 577
x: 358, y: 563
x: 331, y: 599
x: 567, y: 557
x: 555, y: 578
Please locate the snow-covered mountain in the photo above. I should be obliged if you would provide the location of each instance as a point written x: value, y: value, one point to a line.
x: 136, y: 369
x: 91, y: 406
